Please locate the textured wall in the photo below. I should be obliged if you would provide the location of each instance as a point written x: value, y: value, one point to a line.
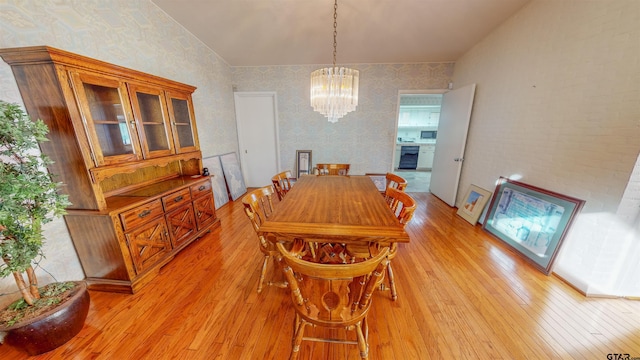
x: 557, y: 104
x: 138, y: 35
x: 629, y: 217
x: 133, y: 34
x: 364, y: 138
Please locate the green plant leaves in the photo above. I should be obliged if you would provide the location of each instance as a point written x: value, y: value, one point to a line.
x: 28, y: 195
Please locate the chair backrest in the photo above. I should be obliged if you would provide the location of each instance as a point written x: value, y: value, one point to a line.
x: 401, y: 203
x: 395, y: 181
x: 258, y: 206
x: 282, y: 182
x: 331, y: 294
x: 333, y: 169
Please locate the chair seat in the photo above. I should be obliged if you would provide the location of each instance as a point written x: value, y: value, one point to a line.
x: 362, y: 251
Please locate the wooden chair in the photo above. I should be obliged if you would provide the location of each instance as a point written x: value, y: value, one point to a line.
x: 390, y: 180
x: 395, y: 181
x: 258, y: 206
x: 283, y: 182
x: 331, y: 295
x: 332, y: 169
x: 403, y: 207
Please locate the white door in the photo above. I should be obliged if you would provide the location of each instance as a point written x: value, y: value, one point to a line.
x: 452, y: 137
x: 256, y: 119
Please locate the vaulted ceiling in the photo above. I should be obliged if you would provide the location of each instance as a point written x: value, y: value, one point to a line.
x: 298, y: 32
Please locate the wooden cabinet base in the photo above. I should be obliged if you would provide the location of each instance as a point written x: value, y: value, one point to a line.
x: 123, y: 248
x: 134, y: 285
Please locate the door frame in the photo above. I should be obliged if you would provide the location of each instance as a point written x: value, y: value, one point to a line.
x: 407, y: 92
x: 273, y: 95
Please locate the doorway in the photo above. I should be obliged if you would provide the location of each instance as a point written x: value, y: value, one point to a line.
x: 257, y: 124
x: 454, y: 124
x: 418, y: 117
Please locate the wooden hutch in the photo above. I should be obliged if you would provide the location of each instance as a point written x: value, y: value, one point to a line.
x: 125, y: 145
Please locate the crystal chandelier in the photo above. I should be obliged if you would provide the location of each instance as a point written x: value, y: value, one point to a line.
x: 334, y: 90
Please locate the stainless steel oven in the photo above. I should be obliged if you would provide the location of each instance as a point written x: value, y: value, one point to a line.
x: 409, y: 157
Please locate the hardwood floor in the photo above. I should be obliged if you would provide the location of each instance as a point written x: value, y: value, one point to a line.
x: 461, y: 295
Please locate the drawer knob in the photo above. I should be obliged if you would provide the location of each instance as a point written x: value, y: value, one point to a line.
x: 202, y: 187
x: 144, y: 213
x: 179, y: 198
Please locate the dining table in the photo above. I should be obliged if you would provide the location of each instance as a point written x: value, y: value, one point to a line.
x: 334, y: 208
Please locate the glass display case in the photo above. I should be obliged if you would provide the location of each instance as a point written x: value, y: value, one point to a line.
x: 105, y: 109
x: 152, y: 120
x: 182, y: 118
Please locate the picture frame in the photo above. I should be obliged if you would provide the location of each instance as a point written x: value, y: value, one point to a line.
x: 219, y: 185
x: 303, y: 162
x: 475, y: 200
x: 531, y: 220
x: 233, y: 175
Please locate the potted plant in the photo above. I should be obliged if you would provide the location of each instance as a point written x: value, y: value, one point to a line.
x: 29, y: 198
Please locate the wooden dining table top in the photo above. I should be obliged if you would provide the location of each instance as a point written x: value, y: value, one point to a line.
x: 345, y: 209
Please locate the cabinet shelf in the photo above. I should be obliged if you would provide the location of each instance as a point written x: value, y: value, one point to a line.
x: 105, y: 172
x: 108, y: 122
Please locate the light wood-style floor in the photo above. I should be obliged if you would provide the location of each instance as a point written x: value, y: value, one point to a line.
x: 462, y: 295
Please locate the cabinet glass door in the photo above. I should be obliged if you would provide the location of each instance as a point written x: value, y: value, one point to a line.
x: 150, y: 112
x: 183, y: 121
x: 105, y: 109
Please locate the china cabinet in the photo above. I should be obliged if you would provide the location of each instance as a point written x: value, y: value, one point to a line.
x: 125, y: 145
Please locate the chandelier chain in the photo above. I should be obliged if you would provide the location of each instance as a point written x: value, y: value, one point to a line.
x: 335, y: 32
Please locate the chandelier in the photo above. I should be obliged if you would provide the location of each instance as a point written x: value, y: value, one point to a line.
x: 334, y: 90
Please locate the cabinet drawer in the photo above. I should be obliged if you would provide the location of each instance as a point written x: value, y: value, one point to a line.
x: 143, y: 213
x: 205, y: 211
x: 176, y: 199
x: 182, y: 225
x: 149, y: 244
x: 200, y: 189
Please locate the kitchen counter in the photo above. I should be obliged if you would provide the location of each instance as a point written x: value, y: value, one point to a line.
x: 425, y: 156
x: 416, y: 143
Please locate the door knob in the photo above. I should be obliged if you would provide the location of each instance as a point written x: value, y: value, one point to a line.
x: 458, y: 159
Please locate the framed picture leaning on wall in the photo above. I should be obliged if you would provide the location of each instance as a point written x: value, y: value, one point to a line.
x: 475, y: 200
x: 220, y: 191
x: 531, y: 220
x: 233, y: 175
x: 303, y: 162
